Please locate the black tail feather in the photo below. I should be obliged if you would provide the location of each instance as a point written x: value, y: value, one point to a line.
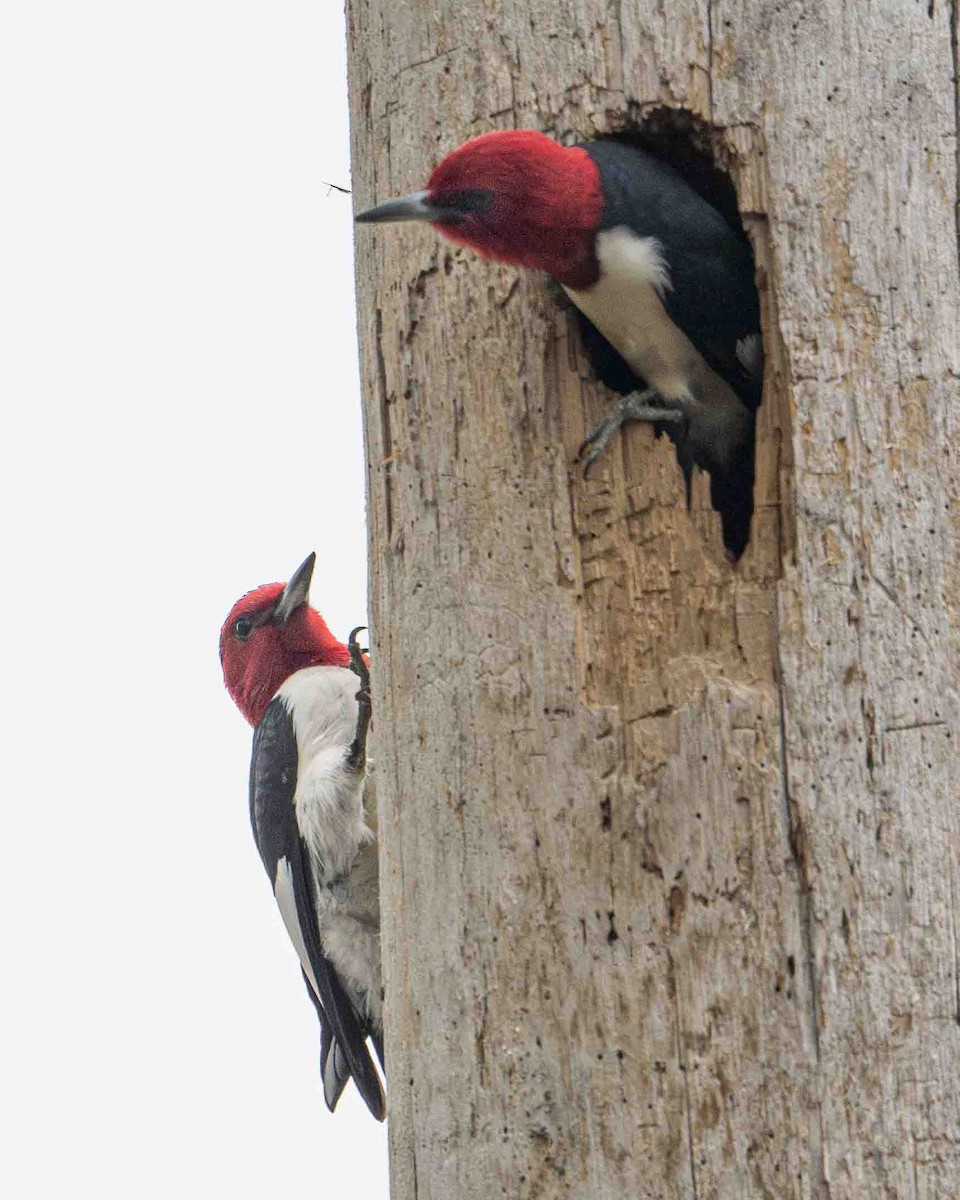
x: 731, y: 494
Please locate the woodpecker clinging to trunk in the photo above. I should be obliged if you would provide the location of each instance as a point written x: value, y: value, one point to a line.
x: 290, y: 678
x: 664, y: 286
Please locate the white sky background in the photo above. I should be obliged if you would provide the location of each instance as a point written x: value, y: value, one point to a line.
x: 182, y: 423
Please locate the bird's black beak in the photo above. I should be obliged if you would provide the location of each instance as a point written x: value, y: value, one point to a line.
x: 295, y: 594
x: 419, y: 207
x: 415, y: 207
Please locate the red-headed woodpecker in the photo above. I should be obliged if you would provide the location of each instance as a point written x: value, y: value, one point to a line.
x: 664, y: 286
x: 290, y: 678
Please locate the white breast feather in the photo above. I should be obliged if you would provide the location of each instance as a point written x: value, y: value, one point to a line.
x: 331, y: 817
x: 627, y: 258
x: 626, y: 305
x: 329, y: 796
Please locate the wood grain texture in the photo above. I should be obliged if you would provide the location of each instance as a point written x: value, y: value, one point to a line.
x: 669, y: 849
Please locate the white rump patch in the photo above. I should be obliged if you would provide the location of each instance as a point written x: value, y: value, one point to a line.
x: 750, y: 354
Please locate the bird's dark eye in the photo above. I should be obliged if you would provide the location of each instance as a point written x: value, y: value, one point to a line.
x: 243, y: 628
x: 458, y: 205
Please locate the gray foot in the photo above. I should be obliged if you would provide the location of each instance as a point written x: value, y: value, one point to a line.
x: 357, y: 754
x: 647, y: 405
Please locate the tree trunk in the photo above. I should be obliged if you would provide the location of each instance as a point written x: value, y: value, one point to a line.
x: 669, y: 848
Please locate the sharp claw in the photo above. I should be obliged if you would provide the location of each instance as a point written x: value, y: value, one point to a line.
x: 597, y: 440
x: 357, y: 660
x: 637, y: 406
x: 358, y: 748
x: 590, y: 460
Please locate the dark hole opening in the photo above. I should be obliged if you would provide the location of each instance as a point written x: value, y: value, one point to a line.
x: 686, y: 143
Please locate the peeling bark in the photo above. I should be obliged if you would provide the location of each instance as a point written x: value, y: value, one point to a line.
x: 669, y: 849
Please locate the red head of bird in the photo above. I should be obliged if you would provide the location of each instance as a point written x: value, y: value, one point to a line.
x: 269, y: 634
x: 514, y: 196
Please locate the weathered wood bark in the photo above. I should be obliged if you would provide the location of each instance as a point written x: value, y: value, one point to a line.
x: 670, y: 849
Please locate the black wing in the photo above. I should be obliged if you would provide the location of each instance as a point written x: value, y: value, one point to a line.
x: 713, y: 297
x: 273, y: 782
